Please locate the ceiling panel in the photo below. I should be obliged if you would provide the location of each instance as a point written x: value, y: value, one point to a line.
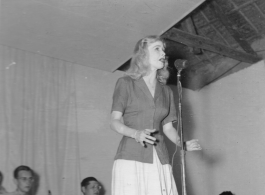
x: 94, y: 33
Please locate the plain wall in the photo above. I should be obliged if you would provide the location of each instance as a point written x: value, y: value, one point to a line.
x: 97, y: 142
x: 228, y: 119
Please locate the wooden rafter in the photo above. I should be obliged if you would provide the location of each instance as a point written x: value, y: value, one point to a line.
x: 238, y: 8
x: 231, y: 28
x: 188, y: 26
x: 207, y: 44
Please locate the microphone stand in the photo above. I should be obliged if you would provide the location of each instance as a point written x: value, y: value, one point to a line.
x: 182, y: 152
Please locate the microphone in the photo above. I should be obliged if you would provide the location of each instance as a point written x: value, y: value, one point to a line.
x: 180, y: 64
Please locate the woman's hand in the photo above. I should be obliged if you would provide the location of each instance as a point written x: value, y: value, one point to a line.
x: 143, y: 136
x: 193, y: 145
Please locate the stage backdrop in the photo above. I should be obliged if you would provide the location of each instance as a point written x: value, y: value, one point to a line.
x: 54, y: 117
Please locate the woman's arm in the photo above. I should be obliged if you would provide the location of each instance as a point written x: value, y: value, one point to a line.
x: 139, y: 135
x: 119, y: 127
x: 172, y: 134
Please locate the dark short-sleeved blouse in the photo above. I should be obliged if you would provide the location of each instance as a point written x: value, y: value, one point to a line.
x: 143, y: 111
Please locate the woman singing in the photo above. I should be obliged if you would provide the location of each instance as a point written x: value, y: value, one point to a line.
x: 143, y: 106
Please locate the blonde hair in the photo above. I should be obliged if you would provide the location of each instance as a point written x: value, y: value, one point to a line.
x: 140, y: 66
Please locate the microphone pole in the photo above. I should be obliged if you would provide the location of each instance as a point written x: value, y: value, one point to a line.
x: 180, y: 65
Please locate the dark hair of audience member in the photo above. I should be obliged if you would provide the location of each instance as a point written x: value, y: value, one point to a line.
x: 86, y: 181
x: 22, y: 168
x: 226, y: 193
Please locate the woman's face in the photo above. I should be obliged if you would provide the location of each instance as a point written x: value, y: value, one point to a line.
x: 156, y: 55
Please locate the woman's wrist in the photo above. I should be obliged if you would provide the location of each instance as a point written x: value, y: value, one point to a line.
x: 134, y: 136
x: 180, y: 144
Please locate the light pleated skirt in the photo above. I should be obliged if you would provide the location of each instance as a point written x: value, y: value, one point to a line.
x: 136, y: 178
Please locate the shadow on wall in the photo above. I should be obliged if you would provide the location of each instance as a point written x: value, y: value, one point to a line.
x: 35, y: 187
x: 209, y: 157
x: 176, y: 161
x: 103, y: 189
x: 2, y: 189
x: 203, y: 157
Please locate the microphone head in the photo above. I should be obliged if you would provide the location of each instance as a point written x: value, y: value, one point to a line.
x: 180, y: 64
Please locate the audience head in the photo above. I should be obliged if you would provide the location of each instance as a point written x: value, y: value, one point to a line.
x: 90, y: 186
x: 24, y: 178
x: 227, y: 193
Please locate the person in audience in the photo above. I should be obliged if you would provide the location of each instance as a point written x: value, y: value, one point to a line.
x: 90, y: 186
x: 24, y: 179
x: 226, y: 193
x: 2, y: 189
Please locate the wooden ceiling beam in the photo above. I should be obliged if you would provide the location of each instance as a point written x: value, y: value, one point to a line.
x: 188, y: 26
x: 231, y: 27
x: 207, y: 44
